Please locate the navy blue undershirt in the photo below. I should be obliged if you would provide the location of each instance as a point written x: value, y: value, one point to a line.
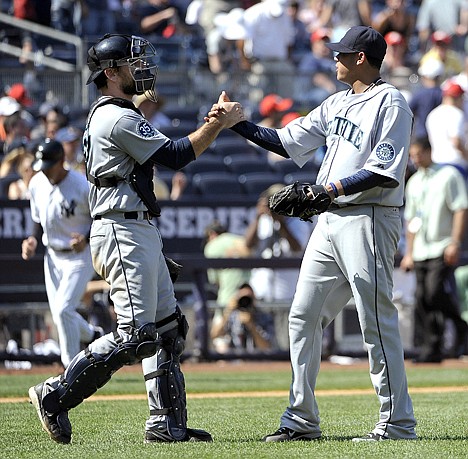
x: 268, y: 139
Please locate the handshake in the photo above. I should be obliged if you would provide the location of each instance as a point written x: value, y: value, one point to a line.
x: 225, y: 112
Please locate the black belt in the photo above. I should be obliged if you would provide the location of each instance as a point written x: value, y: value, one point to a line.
x: 64, y: 250
x: 130, y: 215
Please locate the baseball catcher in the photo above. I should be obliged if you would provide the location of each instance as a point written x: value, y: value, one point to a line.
x: 301, y: 200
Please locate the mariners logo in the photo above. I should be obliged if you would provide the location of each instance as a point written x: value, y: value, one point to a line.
x: 146, y: 130
x: 385, y: 152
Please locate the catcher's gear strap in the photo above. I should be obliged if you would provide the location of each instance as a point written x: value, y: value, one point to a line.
x: 171, y: 382
x: 89, y: 371
x: 262, y: 136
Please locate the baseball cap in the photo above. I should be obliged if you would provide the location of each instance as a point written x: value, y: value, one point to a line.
x: 320, y: 34
x: 439, y: 36
x: 361, y: 39
x: 394, y: 38
x: 274, y: 103
x: 8, y: 106
x: 48, y: 153
x: 452, y: 89
x: 431, y: 68
x: 19, y: 92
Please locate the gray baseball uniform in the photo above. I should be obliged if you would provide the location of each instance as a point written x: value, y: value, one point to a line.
x: 368, y: 131
x: 62, y: 209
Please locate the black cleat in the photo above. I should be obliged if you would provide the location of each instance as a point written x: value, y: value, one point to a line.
x: 157, y: 436
x: 286, y: 434
x: 57, y: 425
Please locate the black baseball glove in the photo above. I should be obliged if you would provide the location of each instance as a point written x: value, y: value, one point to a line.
x: 174, y: 268
x: 294, y: 201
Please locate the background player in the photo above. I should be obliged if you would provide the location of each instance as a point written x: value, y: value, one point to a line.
x: 351, y: 252
x: 60, y: 210
x: 120, y: 148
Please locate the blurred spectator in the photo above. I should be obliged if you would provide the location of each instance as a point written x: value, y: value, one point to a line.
x: 340, y: 15
x: 219, y: 243
x: 8, y: 106
x: 446, y: 129
x: 435, y: 215
x: 66, y: 15
x: 316, y: 78
x: 153, y: 111
x: 226, y: 42
x: 288, y: 118
x: 71, y: 140
x: 16, y: 131
x: 209, y: 9
x: 301, y: 43
x: 396, y: 17
x: 161, y: 18
x: 178, y: 185
x: 310, y: 14
x: 96, y: 17
x: 395, y: 67
x: 441, y: 50
x: 272, y: 108
x: 243, y: 325
x: 19, y: 189
x: 55, y: 119
x: 428, y: 96
x: 271, y: 235
x: 266, y: 50
x: 449, y: 16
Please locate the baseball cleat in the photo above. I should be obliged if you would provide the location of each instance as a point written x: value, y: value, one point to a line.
x: 156, y: 436
x: 57, y: 425
x: 286, y: 434
x: 370, y: 437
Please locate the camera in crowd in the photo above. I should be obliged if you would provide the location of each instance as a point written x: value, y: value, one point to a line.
x: 245, y: 303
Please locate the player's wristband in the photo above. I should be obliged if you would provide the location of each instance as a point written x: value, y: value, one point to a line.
x: 335, y: 189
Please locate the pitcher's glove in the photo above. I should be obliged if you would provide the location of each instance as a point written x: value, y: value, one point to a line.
x: 294, y: 201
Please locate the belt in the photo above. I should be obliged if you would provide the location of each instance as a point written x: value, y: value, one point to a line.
x: 145, y: 215
x: 64, y: 250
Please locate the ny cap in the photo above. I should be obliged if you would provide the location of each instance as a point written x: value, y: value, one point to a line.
x: 361, y: 39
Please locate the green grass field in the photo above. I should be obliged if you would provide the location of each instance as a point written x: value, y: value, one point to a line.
x: 113, y: 428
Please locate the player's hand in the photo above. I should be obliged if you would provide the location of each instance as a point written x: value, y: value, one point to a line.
x: 78, y: 242
x: 28, y: 248
x: 226, y: 112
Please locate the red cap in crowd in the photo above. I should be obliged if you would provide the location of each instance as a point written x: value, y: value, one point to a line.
x: 289, y: 117
x: 19, y: 92
x: 394, y: 38
x: 439, y: 36
x: 274, y: 103
x: 452, y: 89
x: 320, y: 34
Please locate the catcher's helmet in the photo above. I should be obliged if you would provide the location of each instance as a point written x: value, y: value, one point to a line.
x: 115, y: 50
x: 48, y: 153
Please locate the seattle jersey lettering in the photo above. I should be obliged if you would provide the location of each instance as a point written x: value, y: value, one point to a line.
x: 346, y: 129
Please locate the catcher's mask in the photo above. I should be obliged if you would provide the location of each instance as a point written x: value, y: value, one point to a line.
x: 114, y: 50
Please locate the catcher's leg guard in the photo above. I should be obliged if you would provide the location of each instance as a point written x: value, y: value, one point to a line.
x: 89, y: 371
x: 170, y: 387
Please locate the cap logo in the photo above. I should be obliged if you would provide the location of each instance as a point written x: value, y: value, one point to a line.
x: 145, y: 129
x: 385, y: 152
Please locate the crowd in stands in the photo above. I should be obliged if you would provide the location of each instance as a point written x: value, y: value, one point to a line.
x: 279, y: 48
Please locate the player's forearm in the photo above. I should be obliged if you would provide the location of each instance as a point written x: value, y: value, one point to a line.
x: 264, y: 137
x: 204, y: 136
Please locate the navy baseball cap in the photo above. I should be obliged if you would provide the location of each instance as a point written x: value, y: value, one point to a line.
x: 361, y: 39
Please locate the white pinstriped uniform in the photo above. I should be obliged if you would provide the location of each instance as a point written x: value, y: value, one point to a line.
x: 61, y: 210
x: 351, y: 251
